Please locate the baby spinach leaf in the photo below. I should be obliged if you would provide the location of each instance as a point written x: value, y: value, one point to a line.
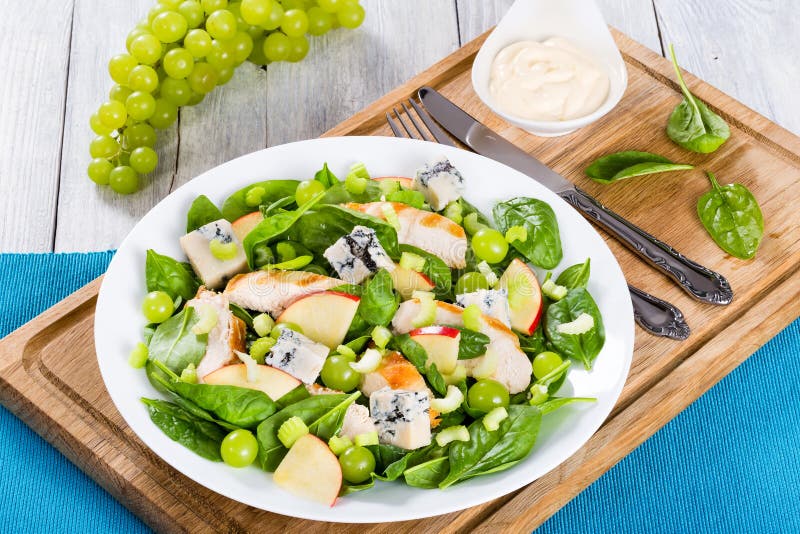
x: 379, y: 302
x: 490, y: 452
x: 239, y: 406
x: 472, y: 344
x: 534, y: 343
x: 543, y: 245
x: 175, y: 345
x: 416, y: 354
x: 350, y: 289
x: 236, y: 206
x: 277, y: 206
x: 435, y: 379
x: 434, y: 268
x: 200, y: 436
x: 338, y: 194
x: 201, y: 212
x: 467, y: 208
x: 387, y: 456
x: 414, y: 199
x: 692, y: 125
x: 575, y: 276
x: 621, y: 165
x: 732, y: 217
x: 176, y: 279
x: 582, y: 347
x: 242, y: 314
x: 428, y: 474
x: 296, y: 395
x: 326, y: 177
x: 357, y: 345
x: 555, y: 403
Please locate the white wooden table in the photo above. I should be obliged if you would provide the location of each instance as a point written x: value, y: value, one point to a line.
x: 54, y: 55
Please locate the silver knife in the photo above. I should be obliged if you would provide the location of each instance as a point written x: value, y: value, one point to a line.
x: 700, y: 282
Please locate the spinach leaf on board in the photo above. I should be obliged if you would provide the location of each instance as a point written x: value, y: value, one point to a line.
x: 692, y: 125
x: 379, y: 302
x: 201, y: 212
x: 239, y: 406
x: 472, y: 344
x: 176, y: 279
x: 236, y: 206
x: 543, y: 244
x: 489, y: 452
x: 338, y: 194
x: 200, y: 436
x: 175, y: 345
x: 326, y: 177
x: 428, y: 474
x: 582, y: 347
x: 434, y: 268
x: 732, y: 217
x: 621, y: 165
x: 575, y: 276
x: 416, y: 354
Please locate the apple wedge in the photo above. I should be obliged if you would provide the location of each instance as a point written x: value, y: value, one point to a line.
x: 274, y: 382
x: 524, y: 296
x: 324, y: 317
x: 441, y: 344
x: 245, y: 223
x: 310, y: 470
x: 406, y: 281
x: 402, y: 180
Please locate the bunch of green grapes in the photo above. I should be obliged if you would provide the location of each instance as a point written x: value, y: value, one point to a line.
x: 180, y: 53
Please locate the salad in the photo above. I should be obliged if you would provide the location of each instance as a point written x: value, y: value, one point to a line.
x: 338, y: 333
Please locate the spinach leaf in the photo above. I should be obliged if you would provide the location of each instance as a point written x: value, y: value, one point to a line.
x: 338, y: 194
x: 379, y: 302
x: 239, y: 406
x: 490, y: 452
x: 467, y: 208
x: 387, y: 456
x: 472, y: 344
x: 456, y: 417
x: 350, y: 289
x: 202, y: 437
x: 175, y: 345
x: 582, y: 347
x: 296, y: 395
x: 434, y: 268
x: 201, y: 212
x: 428, y: 474
x: 575, y: 276
x: 732, y: 217
x: 435, y: 379
x: 630, y: 163
x: 555, y: 403
x: 543, y: 245
x: 242, y: 314
x: 236, y: 206
x: 176, y: 279
x: 277, y: 206
x: 692, y: 125
x: 414, y: 199
x: 357, y: 345
x: 416, y: 354
x: 326, y: 177
x: 533, y: 344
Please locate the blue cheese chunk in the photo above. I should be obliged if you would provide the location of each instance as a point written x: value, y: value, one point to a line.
x: 297, y: 355
x: 440, y: 182
x: 401, y: 417
x: 214, y: 272
x: 357, y: 255
x: 492, y: 302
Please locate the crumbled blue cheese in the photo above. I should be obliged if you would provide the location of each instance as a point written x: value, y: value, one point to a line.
x: 440, y: 182
x: 357, y: 255
x: 297, y: 355
x: 492, y: 302
x: 214, y: 272
x: 401, y: 417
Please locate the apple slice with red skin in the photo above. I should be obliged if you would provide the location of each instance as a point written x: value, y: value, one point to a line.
x: 324, y: 317
x: 310, y: 470
x: 406, y: 281
x: 244, y: 224
x: 402, y: 180
x: 274, y: 382
x: 524, y: 296
x: 441, y: 344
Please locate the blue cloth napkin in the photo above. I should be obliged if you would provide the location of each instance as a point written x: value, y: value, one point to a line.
x: 729, y: 463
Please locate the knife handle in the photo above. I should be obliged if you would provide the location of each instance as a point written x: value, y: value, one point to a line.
x: 658, y: 316
x: 700, y: 282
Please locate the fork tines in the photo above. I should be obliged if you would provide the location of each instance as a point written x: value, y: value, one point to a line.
x: 410, y: 124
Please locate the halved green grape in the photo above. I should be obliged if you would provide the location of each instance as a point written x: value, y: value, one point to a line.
x: 99, y: 169
x: 164, y: 114
x: 157, y: 307
x: 192, y: 11
x: 203, y: 78
x: 143, y: 160
x: 103, y: 146
x: 143, y: 78
x: 113, y: 114
x: 487, y: 394
x: 277, y: 47
x: 331, y: 6
x: 221, y: 55
x: 134, y: 33
x: 123, y: 180
x: 198, y: 43
x: 178, y: 63
x: 239, y: 448
x: 97, y: 125
x: 294, y: 23
x: 275, y: 17
x: 470, y: 282
x: 337, y: 374
x: 146, y: 49
x: 209, y: 6
x: 169, y: 26
x: 351, y: 16
x: 357, y: 464
x: 176, y: 91
x: 221, y: 24
x: 319, y: 21
x: 140, y: 105
x: 307, y: 190
x: 255, y: 12
x: 118, y: 92
x: 298, y: 48
x: 242, y: 45
x: 489, y: 245
x: 140, y: 134
x: 119, y: 67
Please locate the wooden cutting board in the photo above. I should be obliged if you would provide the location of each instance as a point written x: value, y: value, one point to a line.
x: 50, y: 379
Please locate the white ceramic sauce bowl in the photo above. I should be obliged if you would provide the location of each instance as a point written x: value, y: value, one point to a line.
x: 579, y: 21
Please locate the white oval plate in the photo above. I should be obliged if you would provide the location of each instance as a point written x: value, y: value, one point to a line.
x: 119, y: 322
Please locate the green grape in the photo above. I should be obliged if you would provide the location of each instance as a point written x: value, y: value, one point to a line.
x: 487, y: 394
x: 351, y: 16
x: 306, y: 191
x: 255, y: 32
x: 176, y: 91
x: 155, y: 11
x: 294, y: 23
x: 275, y: 17
x: 99, y: 169
x: 146, y: 49
x: 136, y: 32
x: 119, y: 67
x: 293, y: 4
x: 221, y: 55
x: 299, y: 48
x: 97, y: 125
x: 140, y: 105
x: 196, y: 99
x: 331, y: 6
x: 198, y: 43
x: 161, y: 73
x: 139, y: 134
x: 157, y: 307
x: 143, y: 159
x: 225, y: 75
x: 169, y: 26
x: 143, y: 78
x: 277, y: 47
x: 164, y: 114
x: 221, y: 24
x: 178, y: 63
x: 239, y: 448
x: 193, y: 13
x: 337, y: 374
x: 123, y: 180
x: 120, y: 93
x: 255, y: 12
x: 357, y: 464
x: 489, y: 245
x: 257, y: 55
x: 172, y: 4
x: 471, y: 282
x: 242, y: 45
x: 545, y: 362
x: 319, y: 21
x: 113, y: 114
x: 103, y: 146
x: 209, y: 6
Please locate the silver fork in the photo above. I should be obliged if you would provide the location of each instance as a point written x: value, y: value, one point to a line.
x: 654, y: 315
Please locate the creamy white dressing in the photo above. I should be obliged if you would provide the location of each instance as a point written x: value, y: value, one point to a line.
x: 548, y: 81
